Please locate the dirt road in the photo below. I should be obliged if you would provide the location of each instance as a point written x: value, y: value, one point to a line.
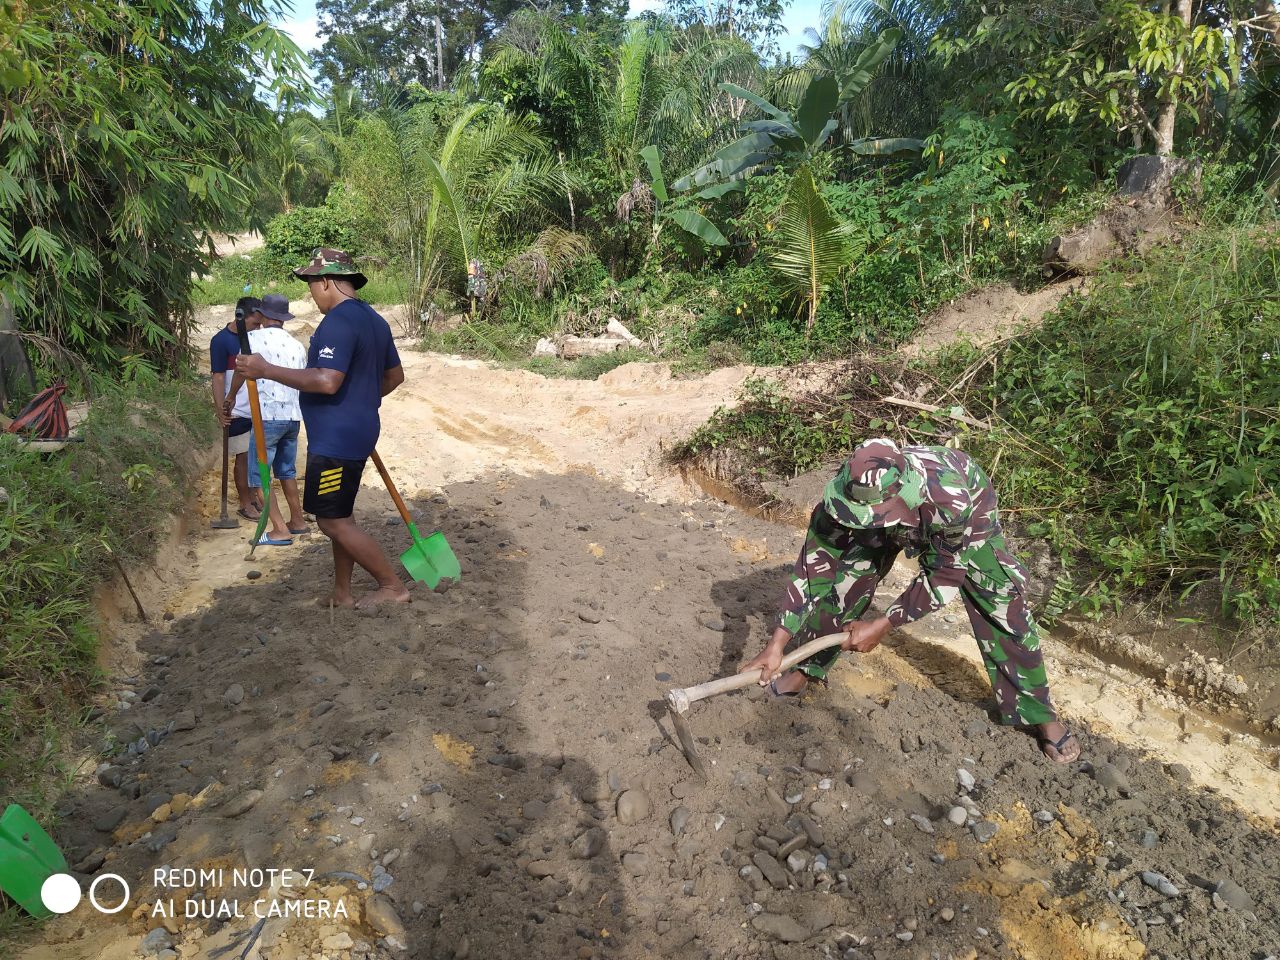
x: 495, y: 761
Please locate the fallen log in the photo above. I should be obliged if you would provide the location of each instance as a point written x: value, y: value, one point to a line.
x: 573, y: 347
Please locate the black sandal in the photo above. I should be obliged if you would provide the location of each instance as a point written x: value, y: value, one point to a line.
x: 780, y: 695
x: 1057, y: 746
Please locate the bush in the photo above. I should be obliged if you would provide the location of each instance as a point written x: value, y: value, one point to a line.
x: 1139, y: 423
x: 64, y: 517
x: 291, y: 237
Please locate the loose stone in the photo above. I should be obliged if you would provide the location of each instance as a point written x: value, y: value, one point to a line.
x: 679, y: 819
x: 1160, y: 883
x: 633, y: 806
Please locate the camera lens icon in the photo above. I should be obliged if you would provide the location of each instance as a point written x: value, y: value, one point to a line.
x: 61, y: 893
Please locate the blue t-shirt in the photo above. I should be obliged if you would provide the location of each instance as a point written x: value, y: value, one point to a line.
x: 352, y: 338
x: 223, y: 349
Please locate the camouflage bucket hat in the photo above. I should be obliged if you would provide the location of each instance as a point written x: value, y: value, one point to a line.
x: 328, y: 262
x: 877, y: 487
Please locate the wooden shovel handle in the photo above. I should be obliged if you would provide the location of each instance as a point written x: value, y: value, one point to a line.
x: 391, y: 488
x: 259, y: 435
x: 255, y: 409
x: 681, y: 699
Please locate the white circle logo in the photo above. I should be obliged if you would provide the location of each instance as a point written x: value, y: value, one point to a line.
x: 93, y: 888
x: 60, y: 893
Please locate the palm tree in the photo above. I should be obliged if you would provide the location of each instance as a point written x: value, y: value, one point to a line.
x: 436, y: 195
x: 811, y: 244
x: 902, y: 98
x: 490, y: 167
x: 298, y: 156
x: 661, y: 85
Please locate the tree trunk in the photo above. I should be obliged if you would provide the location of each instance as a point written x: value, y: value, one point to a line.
x: 568, y: 189
x: 1167, y: 118
x: 439, y: 54
x: 1265, y: 10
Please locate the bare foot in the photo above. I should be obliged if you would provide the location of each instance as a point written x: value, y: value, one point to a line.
x: 343, y: 600
x: 1058, y: 743
x: 391, y: 594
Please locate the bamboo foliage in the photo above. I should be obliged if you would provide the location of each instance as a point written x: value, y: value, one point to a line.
x: 128, y: 131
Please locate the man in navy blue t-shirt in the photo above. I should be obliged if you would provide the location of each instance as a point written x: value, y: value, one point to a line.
x: 223, y: 349
x: 351, y: 366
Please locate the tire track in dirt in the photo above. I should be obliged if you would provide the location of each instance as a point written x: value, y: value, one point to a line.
x: 477, y: 745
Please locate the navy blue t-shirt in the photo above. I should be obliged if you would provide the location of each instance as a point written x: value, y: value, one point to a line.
x: 352, y: 338
x: 223, y: 349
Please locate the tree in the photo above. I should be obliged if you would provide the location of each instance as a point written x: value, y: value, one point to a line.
x: 427, y: 41
x: 1131, y: 66
x: 905, y: 95
x: 652, y: 198
x: 659, y: 85
x: 759, y: 22
x: 431, y: 192
x: 811, y: 245
x: 297, y: 162
x: 799, y: 135
x: 129, y: 130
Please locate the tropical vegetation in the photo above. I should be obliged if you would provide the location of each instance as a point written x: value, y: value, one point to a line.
x: 513, y: 172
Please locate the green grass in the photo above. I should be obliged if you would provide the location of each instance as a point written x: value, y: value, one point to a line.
x: 65, y: 515
x: 1136, y: 430
x: 1138, y: 427
x: 584, y: 368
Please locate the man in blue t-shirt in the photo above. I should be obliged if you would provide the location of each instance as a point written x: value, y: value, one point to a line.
x: 351, y: 366
x: 223, y: 349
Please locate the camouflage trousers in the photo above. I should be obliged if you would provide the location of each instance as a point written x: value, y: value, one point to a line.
x: 1007, y: 634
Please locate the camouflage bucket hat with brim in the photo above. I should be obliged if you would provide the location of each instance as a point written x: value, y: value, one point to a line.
x: 877, y: 487
x: 328, y: 262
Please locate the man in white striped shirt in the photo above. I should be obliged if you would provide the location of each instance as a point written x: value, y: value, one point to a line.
x: 281, y: 413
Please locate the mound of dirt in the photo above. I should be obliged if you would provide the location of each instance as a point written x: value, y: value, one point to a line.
x: 985, y: 316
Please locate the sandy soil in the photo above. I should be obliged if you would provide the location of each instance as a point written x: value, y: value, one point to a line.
x: 987, y: 315
x: 227, y: 244
x: 496, y: 761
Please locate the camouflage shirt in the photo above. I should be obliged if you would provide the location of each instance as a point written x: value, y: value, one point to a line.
x: 950, y: 517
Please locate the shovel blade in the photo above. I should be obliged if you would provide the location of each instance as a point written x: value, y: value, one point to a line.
x: 430, y: 559
x: 28, y: 857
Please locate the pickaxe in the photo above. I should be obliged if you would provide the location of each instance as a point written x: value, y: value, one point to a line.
x: 679, y: 700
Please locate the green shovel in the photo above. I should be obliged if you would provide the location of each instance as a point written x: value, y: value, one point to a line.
x: 28, y: 857
x: 430, y: 559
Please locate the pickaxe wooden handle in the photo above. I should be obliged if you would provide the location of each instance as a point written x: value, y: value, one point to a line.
x: 679, y: 700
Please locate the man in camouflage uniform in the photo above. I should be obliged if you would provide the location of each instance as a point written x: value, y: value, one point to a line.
x: 938, y: 505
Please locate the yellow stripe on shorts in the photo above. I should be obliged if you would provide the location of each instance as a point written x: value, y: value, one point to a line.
x: 330, y: 480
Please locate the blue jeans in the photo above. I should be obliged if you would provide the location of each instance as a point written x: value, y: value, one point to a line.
x: 282, y: 450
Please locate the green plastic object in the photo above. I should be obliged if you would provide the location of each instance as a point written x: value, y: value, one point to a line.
x: 28, y: 857
x: 430, y: 559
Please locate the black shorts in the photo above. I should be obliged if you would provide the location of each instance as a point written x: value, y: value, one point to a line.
x: 329, y: 491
